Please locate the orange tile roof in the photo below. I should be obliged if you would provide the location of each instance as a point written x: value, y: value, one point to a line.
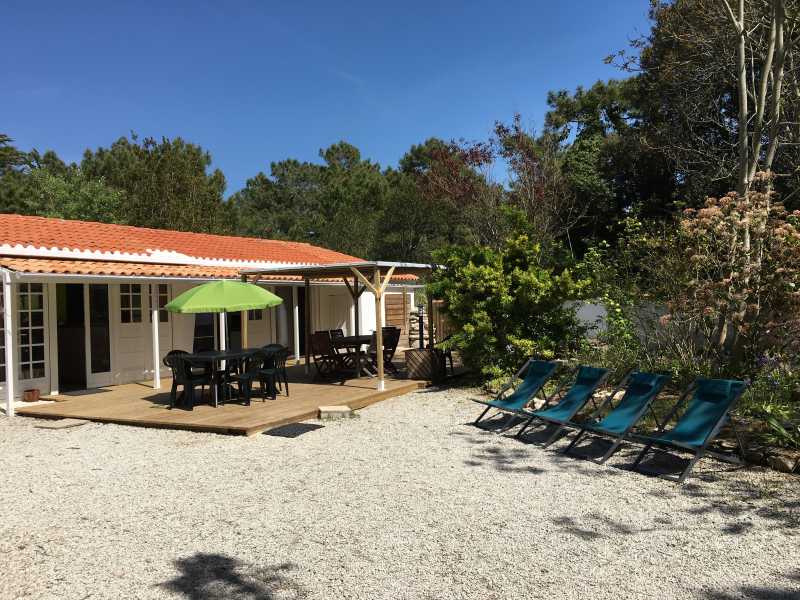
x: 46, y: 233
x: 111, y: 268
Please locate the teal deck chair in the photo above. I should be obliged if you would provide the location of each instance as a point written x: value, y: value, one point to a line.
x: 640, y: 391
x: 536, y: 374
x: 707, y: 412
x: 587, y: 380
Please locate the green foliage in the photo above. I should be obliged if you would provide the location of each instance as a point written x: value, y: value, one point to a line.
x: 774, y: 398
x: 75, y: 196
x: 507, y: 304
x: 166, y: 184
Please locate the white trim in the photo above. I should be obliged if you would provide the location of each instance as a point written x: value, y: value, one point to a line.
x: 52, y: 334
x: 156, y: 350
x: 9, y: 302
x: 166, y: 257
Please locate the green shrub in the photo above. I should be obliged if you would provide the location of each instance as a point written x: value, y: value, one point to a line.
x: 507, y: 305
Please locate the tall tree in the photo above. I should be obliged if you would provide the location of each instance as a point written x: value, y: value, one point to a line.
x: 167, y: 184
x: 720, y: 92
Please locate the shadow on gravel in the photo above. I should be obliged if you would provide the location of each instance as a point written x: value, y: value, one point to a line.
x: 294, y: 430
x: 790, y: 590
x: 505, y: 460
x: 777, y: 503
x: 220, y: 577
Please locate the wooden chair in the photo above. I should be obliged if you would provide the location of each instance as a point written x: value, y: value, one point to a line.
x: 391, y: 338
x: 327, y: 361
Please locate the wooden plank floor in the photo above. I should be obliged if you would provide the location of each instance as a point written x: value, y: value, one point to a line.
x: 138, y: 404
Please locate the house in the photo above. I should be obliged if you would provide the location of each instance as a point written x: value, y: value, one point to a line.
x: 83, y: 302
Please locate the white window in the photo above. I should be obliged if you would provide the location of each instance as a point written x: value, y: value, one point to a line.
x: 159, y: 296
x: 31, y: 331
x: 130, y: 303
x: 255, y: 314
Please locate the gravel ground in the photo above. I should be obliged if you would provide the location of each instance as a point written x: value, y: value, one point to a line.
x: 406, y: 501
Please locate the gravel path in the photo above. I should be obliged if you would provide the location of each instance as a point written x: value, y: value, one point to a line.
x: 406, y: 501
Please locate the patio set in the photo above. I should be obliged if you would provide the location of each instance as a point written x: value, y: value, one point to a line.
x: 337, y: 356
x: 228, y: 374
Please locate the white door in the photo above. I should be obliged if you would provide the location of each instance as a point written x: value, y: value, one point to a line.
x: 132, y: 350
x: 32, y: 321
x: 98, y: 322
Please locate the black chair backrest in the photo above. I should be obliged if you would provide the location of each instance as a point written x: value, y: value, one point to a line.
x: 390, y: 340
x: 336, y: 333
x: 176, y: 361
x: 174, y: 353
x: 256, y: 361
x: 321, y: 344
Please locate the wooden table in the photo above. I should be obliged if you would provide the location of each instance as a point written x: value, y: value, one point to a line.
x: 355, y: 342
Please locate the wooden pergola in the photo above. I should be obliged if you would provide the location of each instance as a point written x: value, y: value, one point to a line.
x: 372, y: 276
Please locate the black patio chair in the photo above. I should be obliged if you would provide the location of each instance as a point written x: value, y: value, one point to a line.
x: 182, y: 375
x: 274, y: 370
x: 249, y: 373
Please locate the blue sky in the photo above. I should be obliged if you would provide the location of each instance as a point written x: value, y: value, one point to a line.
x: 256, y: 82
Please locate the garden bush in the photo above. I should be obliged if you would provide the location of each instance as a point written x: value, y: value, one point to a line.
x: 507, y: 305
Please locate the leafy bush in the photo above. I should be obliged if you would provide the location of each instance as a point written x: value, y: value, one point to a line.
x: 773, y: 399
x: 507, y: 305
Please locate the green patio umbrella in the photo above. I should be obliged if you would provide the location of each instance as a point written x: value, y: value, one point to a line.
x: 223, y: 296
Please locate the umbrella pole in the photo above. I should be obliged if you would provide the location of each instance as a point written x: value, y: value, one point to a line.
x: 244, y: 329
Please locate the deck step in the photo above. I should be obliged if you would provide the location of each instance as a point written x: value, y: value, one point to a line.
x: 329, y: 413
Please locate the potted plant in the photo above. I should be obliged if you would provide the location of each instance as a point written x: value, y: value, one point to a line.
x: 31, y: 395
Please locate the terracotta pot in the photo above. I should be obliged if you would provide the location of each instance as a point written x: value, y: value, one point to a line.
x: 30, y: 395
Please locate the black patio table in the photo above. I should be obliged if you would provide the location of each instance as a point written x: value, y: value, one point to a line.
x: 214, y: 358
x: 355, y: 342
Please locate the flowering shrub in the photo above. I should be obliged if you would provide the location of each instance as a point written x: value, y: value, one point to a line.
x: 506, y: 305
x: 743, y: 256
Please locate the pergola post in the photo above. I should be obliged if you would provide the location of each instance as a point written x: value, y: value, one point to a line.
x: 431, y: 336
x: 379, y: 326
x: 9, y: 333
x: 156, y: 344
x: 377, y: 287
x: 357, y: 308
x: 296, y: 322
x: 308, y: 323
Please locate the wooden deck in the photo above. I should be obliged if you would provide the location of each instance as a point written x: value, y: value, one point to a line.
x: 138, y: 404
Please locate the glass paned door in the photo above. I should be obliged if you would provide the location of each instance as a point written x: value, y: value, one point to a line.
x: 31, y: 324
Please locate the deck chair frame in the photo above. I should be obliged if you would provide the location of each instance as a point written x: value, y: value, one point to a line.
x: 617, y: 439
x: 697, y: 451
x: 562, y: 425
x: 509, y: 386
